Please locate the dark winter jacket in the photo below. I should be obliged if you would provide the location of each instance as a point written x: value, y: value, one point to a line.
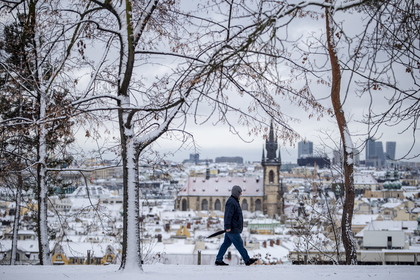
x: 233, y: 215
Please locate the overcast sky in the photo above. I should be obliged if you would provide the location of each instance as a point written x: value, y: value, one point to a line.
x: 213, y: 141
x: 216, y: 141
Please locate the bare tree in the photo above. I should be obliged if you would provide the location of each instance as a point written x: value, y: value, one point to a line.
x: 348, y: 164
x: 372, y: 70
x: 205, y: 69
x: 375, y: 54
x: 35, y: 69
x: 211, y: 67
x: 161, y: 65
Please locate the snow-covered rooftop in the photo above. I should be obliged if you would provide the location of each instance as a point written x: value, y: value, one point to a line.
x: 221, y: 186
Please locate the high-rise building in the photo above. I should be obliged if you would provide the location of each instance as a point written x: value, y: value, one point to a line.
x: 195, y: 158
x: 305, y: 148
x: 336, y: 160
x: 375, y: 155
x: 370, y: 150
x: 380, y: 154
x: 356, y: 157
x: 390, y: 150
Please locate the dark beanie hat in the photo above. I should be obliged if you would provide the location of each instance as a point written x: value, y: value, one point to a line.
x: 236, y: 190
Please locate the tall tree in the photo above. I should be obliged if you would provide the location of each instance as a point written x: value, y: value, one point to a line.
x: 204, y: 71
x: 13, y: 141
x: 370, y: 58
x: 347, y: 143
x: 34, y: 65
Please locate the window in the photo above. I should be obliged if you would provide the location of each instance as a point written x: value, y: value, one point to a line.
x: 217, y: 205
x: 258, y: 205
x: 244, y: 204
x: 271, y: 176
x: 204, y: 205
x: 389, y: 244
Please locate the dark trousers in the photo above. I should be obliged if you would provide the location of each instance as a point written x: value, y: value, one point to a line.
x: 236, y: 240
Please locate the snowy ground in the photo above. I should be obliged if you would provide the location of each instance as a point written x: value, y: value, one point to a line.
x: 210, y: 272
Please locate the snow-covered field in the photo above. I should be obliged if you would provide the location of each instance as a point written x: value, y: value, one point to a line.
x: 210, y: 272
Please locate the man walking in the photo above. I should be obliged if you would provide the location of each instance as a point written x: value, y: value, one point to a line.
x: 233, y: 223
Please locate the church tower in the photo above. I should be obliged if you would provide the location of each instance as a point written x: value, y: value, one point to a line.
x: 273, y: 196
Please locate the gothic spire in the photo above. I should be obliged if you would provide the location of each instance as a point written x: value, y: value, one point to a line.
x: 271, y: 145
x: 263, y: 154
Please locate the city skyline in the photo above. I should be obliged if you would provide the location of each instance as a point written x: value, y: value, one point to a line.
x: 216, y: 140
x: 307, y: 147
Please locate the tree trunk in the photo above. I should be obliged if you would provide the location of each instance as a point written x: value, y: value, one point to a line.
x: 16, y: 219
x: 347, y: 145
x: 42, y: 193
x: 131, y: 233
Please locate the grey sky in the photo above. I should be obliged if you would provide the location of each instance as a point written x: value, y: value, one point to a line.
x: 216, y: 140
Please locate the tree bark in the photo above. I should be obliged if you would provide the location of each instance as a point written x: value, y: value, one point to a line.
x: 16, y: 219
x: 131, y: 232
x: 347, y: 145
x: 42, y: 189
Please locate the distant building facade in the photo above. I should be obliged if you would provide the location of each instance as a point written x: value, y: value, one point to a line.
x: 195, y: 159
x: 390, y: 150
x: 306, y: 156
x: 375, y: 154
x: 305, y: 148
x: 239, y: 160
x: 211, y: 194
x: 258, y: 194
x: 321, y: 162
